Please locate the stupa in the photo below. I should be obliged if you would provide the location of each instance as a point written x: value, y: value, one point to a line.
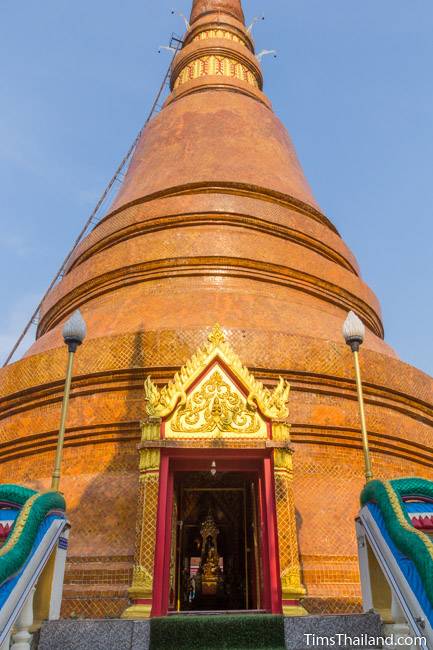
x: 214, y: 223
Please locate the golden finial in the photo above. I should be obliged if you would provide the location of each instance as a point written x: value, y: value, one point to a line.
x: 278, y: 399
x: 217, y: 335
x: 152, y: 396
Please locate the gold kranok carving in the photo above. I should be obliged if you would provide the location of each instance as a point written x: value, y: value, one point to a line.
x: 215, y: 407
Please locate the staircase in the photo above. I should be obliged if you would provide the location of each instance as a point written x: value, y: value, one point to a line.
x: 396, y: 560
x: 160, y: 634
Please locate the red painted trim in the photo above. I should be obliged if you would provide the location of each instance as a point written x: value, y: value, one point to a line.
x: 238, y: 455
x: 168, y: 532
x: 274, y: 562
x: 217, y: 361
x: 257, y: 461
x: 264, y: 546
x: 269, y: 429
x: 161, y: 539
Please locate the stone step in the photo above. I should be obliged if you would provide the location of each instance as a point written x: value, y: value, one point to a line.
x: 302, y: 633
x: 102, y: 634
x: 342, y: 631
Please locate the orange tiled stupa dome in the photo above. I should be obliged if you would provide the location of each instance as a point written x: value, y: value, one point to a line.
x: 215, y: 222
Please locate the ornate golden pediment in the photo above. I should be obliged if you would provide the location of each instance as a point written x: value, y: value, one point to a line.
x: 226, y: 397
x: 215, y: 407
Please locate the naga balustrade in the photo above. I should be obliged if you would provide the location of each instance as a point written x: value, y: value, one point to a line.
x: 32, y: 562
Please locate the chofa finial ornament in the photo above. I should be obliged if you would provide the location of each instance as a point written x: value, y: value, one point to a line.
x: 217, y: 335
x: 277, y: 400
x: 162, y: 402
x: 152, y: 396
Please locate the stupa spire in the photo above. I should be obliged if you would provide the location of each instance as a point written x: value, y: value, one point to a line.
x: 218, y: 52
x: 203, y: 7
x: 218, y: 153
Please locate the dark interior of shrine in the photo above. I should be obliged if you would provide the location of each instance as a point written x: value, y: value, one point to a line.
x: 215, y: 559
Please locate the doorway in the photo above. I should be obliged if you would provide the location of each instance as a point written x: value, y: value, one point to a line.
x: 215, y: 548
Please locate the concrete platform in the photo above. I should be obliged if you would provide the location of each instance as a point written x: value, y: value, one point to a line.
x: 301, y: 633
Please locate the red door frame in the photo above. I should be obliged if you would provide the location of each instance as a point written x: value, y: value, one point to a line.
x: 194, y: 460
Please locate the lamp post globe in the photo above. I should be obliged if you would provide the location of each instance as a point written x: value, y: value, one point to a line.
x: 354, y: 335
x: 354, y: 331
x: 74, y: 331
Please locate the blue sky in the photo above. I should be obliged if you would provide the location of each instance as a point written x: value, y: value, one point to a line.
x: 352, y: 83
